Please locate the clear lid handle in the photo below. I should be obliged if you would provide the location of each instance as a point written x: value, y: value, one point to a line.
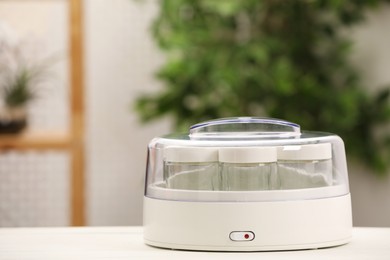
x: 244, y: 128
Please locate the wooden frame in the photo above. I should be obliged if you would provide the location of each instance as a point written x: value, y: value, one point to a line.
x: 77, y: 110
x: 36, y: 140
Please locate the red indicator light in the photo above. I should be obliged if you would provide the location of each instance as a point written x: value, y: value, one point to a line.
x: 242, y: 236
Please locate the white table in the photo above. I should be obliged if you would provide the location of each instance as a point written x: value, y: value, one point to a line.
x: 127, y: 243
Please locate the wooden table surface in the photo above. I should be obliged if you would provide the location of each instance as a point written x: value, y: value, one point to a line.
x: 127, y: 243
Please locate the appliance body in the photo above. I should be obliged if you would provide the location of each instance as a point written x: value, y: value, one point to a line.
x: 247, y: 184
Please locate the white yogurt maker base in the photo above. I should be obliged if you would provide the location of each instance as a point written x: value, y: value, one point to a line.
x: 282, y: 225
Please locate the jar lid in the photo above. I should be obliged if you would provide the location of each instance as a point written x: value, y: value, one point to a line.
x: 247, y: 154
x: 190, y: 154
x: 321, y: 151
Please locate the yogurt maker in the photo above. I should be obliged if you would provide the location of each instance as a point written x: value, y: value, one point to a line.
x: 247, y: 184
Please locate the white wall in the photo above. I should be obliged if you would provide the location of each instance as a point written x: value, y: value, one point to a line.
x: 120, y: 61
x: 370, y: 193
x: 371, y: 48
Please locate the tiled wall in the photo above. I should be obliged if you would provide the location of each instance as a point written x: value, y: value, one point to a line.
x: 34, y: 189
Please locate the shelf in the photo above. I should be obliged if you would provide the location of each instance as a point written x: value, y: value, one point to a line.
x: 57, y: 140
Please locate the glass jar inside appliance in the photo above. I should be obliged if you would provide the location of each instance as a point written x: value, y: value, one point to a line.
x: 305, y: 166
x: 248, y: 168
x: 191, y: 168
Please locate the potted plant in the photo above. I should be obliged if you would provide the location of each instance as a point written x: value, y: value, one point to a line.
x: 20, y: 79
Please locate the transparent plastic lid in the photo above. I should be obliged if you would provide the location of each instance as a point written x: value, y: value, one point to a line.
x: 246, y: 159
x: 244, y: 128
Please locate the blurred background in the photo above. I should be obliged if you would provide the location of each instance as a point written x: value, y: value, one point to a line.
x: 73, y: 145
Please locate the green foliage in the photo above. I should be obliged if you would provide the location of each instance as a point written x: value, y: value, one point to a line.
x: 17, y: 92
x: 277, y: 58
x: 20, y: 85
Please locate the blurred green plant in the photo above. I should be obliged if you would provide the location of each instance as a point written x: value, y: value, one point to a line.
x: 277, y: 58
x: 17, y: 92
x: 20, y: 85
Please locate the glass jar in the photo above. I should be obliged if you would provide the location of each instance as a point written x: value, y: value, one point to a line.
x: 191, y: 168
x: 248, y: 168
x: 305, y: 166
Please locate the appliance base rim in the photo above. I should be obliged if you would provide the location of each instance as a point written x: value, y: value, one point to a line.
x: 206, y: 248
x: 277, y: 226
